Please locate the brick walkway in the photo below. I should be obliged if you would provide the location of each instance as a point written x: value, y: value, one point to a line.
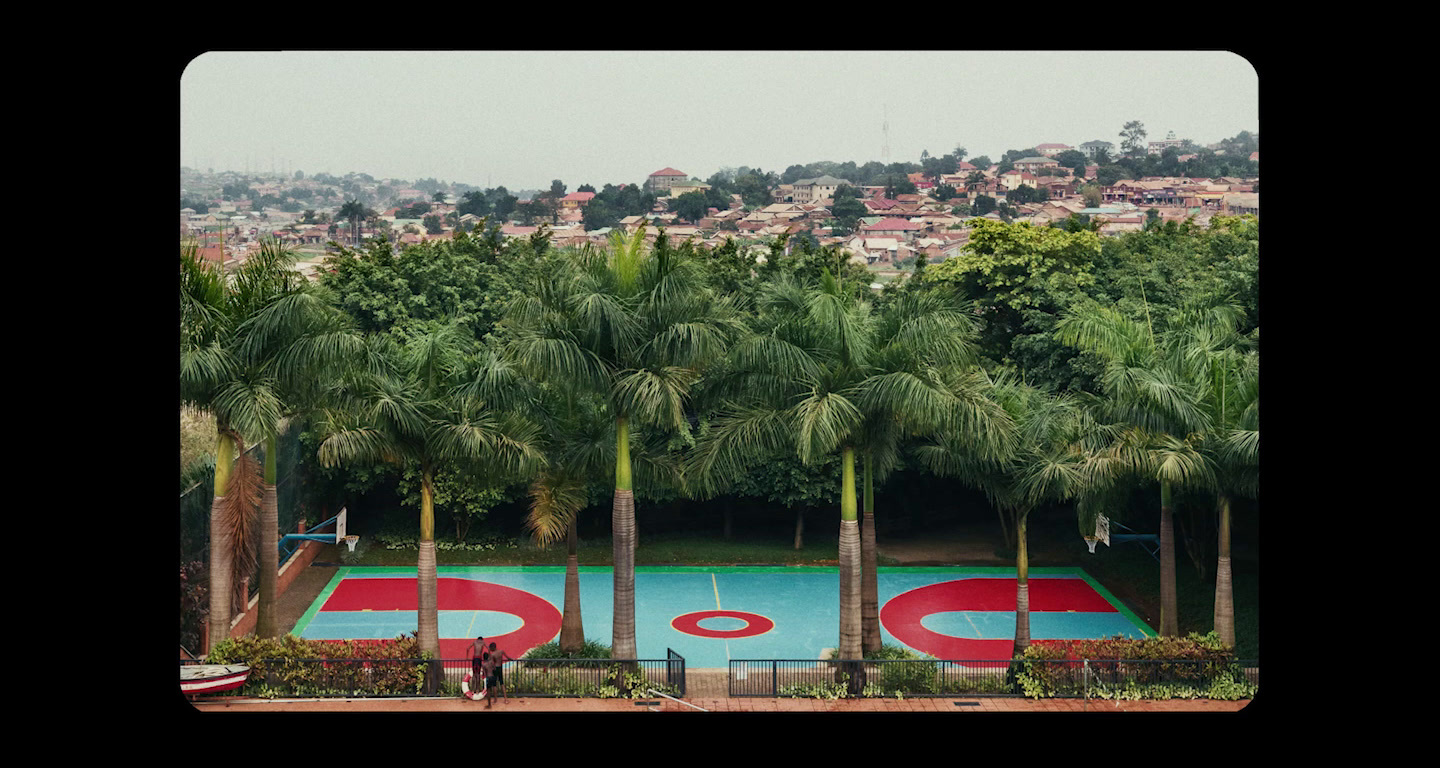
x: 535, y: 705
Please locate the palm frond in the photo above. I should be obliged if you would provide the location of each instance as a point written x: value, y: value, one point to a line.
x: 823, y: 422
x: 655, y: 396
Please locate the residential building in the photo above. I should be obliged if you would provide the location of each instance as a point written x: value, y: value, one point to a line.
x: 576, y: 199
x: 1157, y: 147
x: 1051, y: 150
x: 1092, y: 148
x: 903, y: 229
x: 686, y: 186
x: 665, y: 178
x: 1035, y: 164
x: 815, y: 190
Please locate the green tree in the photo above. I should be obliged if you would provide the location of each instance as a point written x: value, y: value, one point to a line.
x: 354, y: 212
x: 691, y: 206
x: 599, y: 214
x: 432, y: 404
x: 473, y: 202
x: 924, y: 351
x: 468, y: 278
x: 291, y: 344
x: 1048, y: 460
x: 634, y: 326
x: 805, y: 381
x: 1133, y: 137
x: 1149, y: 387
x: 249, y: 344
x: 1073, y: 159
x: 580, y: 447
x: 847, y: 208
x: 1227, y: 366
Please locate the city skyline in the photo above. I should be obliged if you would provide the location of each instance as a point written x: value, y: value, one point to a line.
x: 521, y: 119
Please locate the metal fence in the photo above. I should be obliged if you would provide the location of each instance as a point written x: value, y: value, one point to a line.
x: 603, y: 678
x: 949, y: 678
x: 1135, y: 678
x: 194, y: 504
x: 380, y: 678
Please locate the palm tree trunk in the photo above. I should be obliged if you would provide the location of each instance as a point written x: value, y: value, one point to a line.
x: 850, y: 647
x: 266, y: 622
x: 221, y: 561
x: 1022, y: 585
x: 622, y: 638
x: 428, y: 602
x: 850, y: 631
x: 572, y: 628
x: 1224, y: 587
x: 869, y: 587
x: 1169, y: 605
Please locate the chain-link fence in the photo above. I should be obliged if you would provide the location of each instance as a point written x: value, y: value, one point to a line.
x: 194, y: 528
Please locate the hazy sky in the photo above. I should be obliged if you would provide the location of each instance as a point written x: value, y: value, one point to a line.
x: 523, y: 118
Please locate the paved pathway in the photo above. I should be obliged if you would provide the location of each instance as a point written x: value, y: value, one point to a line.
x: 696, y: 704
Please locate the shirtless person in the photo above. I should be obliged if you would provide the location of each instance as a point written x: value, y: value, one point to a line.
x: 477, y: 661
x: 495, y: 677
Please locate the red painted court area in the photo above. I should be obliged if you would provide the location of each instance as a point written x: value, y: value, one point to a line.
x: 903, y: 614
x: 541, y: 622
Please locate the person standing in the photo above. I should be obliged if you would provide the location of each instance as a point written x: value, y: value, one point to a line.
x: 478, y: 653
x: 495, y: 679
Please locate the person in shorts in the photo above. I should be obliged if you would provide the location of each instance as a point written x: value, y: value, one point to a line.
x: 495, y: 677
x: 478, y: 653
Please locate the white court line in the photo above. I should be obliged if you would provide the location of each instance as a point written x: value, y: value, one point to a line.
x: 716, y: 587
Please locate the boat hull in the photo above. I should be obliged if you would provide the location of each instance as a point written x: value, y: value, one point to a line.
x: 212, y: 678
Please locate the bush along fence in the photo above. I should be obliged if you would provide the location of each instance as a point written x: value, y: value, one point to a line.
x: 291, y: 667
x: 1113, y: 668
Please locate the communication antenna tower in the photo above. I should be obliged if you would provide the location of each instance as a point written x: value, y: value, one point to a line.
x: 885, y: 131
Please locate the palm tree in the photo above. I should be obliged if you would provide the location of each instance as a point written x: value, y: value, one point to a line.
x: 1228, y: 366
x: 1148, y: 387
x: 354, y: 211
x: 221, y: 372
x: 634, y: 326
x: 579, y: 448
x: 296, y: 341
x: 1051, y: 459
x: 427, y: 406
x: 805, y: 381
x: 921, y: 337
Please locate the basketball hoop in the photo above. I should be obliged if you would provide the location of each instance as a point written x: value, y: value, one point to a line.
x: 350, y: 542
x: 1102, y: 533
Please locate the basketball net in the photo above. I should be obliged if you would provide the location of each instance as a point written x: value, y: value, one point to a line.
x: 1102, y: 533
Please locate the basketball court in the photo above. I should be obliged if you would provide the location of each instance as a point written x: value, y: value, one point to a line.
x: 710, y: 615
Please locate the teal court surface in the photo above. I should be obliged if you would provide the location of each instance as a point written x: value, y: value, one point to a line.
x: 711, y: 615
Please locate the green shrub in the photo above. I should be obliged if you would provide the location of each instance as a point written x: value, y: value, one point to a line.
x: 1195, y: 666
x: 288, y: 666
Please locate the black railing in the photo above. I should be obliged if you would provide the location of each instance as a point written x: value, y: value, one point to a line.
x: 872, y: 677
x: 378, y: 678
x: 602, y: 678
x: 950, y: 678
x: 1138, y: 678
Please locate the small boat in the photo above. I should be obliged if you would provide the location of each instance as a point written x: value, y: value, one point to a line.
x: 212, y: 678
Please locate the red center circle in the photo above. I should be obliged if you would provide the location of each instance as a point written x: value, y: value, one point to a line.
x: 689, y: 623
